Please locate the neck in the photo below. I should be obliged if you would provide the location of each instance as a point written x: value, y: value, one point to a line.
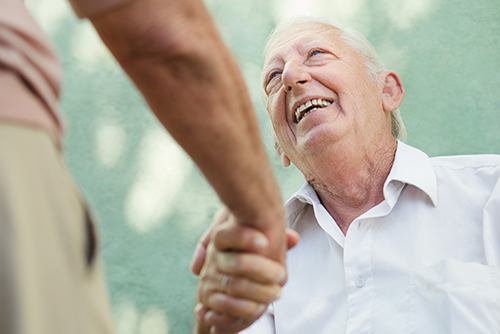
x: 350, y: 182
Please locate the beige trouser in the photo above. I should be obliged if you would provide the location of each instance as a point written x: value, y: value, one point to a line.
x: 50, y: 282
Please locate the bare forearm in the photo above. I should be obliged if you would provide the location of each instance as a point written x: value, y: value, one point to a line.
x: 189, y: 78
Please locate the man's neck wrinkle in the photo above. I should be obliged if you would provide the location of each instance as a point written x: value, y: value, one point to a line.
x: 345, y: 209
x: 347, y: 196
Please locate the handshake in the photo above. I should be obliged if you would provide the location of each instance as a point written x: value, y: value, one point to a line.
x: 238, y: 279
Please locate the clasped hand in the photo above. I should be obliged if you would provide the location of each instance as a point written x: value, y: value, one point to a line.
x: 237, y: 282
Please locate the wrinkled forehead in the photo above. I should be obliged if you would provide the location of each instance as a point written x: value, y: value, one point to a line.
x: 300, y: 35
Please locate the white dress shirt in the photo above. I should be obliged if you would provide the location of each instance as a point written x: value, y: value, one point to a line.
x: 426, y: 260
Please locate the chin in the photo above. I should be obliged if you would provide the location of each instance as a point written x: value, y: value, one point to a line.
x: 319, y: 139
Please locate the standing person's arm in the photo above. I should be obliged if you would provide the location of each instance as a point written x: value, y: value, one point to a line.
x: 174, y: 54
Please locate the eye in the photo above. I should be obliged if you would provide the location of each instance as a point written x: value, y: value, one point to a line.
x: 272, y: 75
x: 272, y: 80
x: 314, y: 53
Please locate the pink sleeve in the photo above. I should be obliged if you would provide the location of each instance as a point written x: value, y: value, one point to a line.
x: 25, y: 52
x: 93, y: 8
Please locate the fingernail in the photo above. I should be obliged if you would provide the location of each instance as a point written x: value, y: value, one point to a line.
x: 197, y: 311
x: 208, y: 316
x: 278, y: 294
x: 212, y: 330
x: 281, y: 276
x: 260, y: 242
x: 261, y: 308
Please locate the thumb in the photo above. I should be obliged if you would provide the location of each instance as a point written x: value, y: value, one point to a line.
x: 292, y: 238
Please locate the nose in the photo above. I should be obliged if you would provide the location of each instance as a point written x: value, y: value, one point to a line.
x: 295, y: 76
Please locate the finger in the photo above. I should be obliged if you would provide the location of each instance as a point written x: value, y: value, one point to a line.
x: 243, y: 288
x: 233, y: 307
x: 233, y: 328
x: 229, y: 326
x: 234, y: 236
x: 221, y: 320
x: 198, y: 259
x: 251, y: 266
x: 200, y: 252
x: 237, y: 287
x: 200, y: 311
x: 292, y: 238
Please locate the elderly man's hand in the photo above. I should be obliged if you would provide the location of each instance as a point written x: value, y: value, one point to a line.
x: 236, y: 281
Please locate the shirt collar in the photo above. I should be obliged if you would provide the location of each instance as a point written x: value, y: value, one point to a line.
x: 295, y: 205
x: 411, y: 166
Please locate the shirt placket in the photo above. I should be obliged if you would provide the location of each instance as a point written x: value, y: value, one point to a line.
x: 359, y: 276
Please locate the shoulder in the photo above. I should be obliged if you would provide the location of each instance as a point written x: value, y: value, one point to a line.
x: 463, y: 162
x: 471, y: 171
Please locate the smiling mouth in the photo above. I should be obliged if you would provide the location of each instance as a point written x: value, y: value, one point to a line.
x: 310, y: 106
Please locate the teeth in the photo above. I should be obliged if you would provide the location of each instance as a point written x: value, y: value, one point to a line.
x: 317, y: 103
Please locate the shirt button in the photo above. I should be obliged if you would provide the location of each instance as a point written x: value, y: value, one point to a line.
x: 360, y: 282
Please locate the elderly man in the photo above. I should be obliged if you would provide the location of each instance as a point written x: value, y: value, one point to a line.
x: 391, y: 240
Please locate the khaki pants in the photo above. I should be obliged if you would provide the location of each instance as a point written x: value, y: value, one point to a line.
x: 51, y: 281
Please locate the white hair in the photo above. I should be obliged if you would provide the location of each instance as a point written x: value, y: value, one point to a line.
x: 353, y: 38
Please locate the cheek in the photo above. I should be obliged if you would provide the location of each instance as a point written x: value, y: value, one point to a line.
x: 275, y: 111
x: 278, y: 122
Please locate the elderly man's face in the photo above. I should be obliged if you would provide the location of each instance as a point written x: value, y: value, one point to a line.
x: 319, y: 92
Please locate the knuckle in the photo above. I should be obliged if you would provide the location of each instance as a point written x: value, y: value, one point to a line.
x: 238, y: 287
x: 235, y: 263
x: 218, y: 235
x: 227, y: 262
x: 240, y: 264
x: 203, y: 276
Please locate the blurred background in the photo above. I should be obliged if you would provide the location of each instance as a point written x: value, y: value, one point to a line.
x: 151, y: 201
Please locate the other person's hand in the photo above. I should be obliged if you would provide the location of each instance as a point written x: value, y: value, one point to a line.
x: 236, y: 281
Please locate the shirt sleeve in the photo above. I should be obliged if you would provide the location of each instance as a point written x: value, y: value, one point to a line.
x: 265, y: 324
x: 26, y: 52
x: 93, y: 8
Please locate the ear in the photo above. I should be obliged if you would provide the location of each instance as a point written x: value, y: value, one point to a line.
x: 284, y: 159
x: 393, y: 91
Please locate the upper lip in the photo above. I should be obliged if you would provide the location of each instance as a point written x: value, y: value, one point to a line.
x: 301, y: 106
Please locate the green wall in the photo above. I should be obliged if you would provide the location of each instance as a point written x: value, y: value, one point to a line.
x: 153, y: 204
